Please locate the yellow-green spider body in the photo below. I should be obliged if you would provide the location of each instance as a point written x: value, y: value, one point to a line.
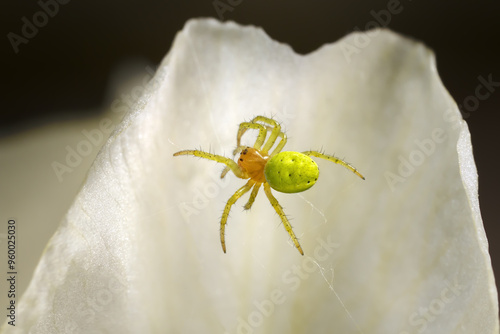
x: 287, y: 172
x: 291, y: 172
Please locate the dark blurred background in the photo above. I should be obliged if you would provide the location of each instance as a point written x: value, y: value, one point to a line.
x: 66, y: 63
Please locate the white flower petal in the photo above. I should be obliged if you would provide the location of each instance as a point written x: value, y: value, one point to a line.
x: 402, y: 252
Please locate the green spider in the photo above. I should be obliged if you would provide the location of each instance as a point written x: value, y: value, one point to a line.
x: 287, y: 172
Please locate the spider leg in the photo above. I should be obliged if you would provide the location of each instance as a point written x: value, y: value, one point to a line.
x: 236, y: 151
x: 240, y: 192
x: 279, y: 210
x: 260, y: 138
x: 224, y: 172
x: 334, y: 159
x: 281, y: 144
x: 243, y: 128
x: 217, y: 158
x: 254, y: 193
x: 268, y: 125
x: 276, y: 132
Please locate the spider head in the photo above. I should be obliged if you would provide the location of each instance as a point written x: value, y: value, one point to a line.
x: 252, y: 162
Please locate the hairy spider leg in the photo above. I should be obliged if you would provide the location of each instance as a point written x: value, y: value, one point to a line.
x: 276, y: 150
x: 224, y: 172
x: 254, y: 193
x: 276, y: 205
x: 253, y: 121
x: 280, y: 145
x: 274, y: 133
x: 240, y: 192
x: 334, y: 159
x: 269, y: 125
x: 217, y: 158
x: 260, y: 138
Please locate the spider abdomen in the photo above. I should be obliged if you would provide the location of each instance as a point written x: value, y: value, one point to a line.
x: 291, y: 172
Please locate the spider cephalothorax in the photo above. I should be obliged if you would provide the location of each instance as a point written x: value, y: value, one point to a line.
x: 288, y: 172
x: 252, y: 162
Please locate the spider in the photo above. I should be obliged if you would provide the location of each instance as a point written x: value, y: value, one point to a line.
x: 287, y: 172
